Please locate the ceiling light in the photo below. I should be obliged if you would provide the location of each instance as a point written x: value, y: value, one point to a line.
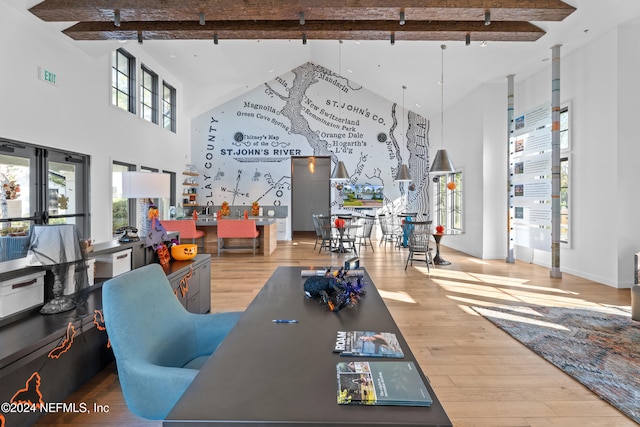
x: 116, y: 18
x: 403, y: 173
x: 393, y: 38
x: 467, y: 39
x: 215, y: 38
x: 201, y: 18
x: 487, y: 18
x: 340, y: 172
x: 140, y: 37
x: 304, y: 38
x: 442, y: 163
x: 402, y: 21
x: 301, y: 15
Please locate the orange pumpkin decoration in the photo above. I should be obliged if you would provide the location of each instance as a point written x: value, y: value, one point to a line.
x: 439, y: 229
x: 451, y: 185
x: 184, y: 252
x: 339, y: 222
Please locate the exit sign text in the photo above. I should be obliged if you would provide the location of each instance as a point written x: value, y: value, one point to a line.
x: 47, y: 76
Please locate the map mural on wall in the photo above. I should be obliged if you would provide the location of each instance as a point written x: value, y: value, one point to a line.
x: 243, y: 148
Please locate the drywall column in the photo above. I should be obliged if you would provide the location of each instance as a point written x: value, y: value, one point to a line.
x: 555, y: 162
x: 510, y: 245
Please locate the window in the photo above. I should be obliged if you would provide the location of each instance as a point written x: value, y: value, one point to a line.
x: 448, y: 201
x: 40, y: 186
x: 123, y: 211
x: 565, y: 177
x: 168, y: 107
x: 149, y: 96
x: 123, y: 80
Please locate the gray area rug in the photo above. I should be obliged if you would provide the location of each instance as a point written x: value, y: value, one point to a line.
x: 599, y: 347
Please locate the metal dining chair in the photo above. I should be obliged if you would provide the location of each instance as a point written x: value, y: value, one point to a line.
x: 364, y: 234
x: 388, y: 229
x: 419, y: 238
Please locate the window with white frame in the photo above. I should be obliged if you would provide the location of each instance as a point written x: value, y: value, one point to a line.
x: 448, y: 200
x: 149, y: 95
x: 565, y: 177
x: 123, y: 80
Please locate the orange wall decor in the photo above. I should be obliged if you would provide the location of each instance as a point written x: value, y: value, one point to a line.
x: 30, y: 394
x: 65, y: 345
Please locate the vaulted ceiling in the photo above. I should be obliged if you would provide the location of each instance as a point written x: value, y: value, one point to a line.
x: 396, y: 20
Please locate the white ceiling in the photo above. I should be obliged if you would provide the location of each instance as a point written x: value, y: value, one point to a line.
x: 212, y: 74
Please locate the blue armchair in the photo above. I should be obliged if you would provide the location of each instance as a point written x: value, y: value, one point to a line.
x: 158, y: 345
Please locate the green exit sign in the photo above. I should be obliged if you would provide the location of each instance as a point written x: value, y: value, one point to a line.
x: 47, y: 76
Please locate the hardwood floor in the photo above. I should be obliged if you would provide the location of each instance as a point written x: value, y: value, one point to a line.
x: 481, y: 375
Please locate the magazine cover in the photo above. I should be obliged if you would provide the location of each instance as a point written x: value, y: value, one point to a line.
x: 364, y: 343
x: 381, y: 383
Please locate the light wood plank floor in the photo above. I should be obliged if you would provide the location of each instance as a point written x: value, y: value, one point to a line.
x: 482, y: 376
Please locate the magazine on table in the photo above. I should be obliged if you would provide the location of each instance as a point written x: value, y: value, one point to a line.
x: 367, y: 343
x: 381, y: 383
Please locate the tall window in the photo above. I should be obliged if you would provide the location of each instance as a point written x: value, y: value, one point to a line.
x: 149, y: 95
x: 565, y: 177
x: 123, y: 80
x: 448, y: 201
x: 123, y: 210
x: 168, y: 107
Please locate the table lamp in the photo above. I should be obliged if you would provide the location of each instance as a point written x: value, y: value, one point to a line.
x: 57, y: 246
x: 145, y: 186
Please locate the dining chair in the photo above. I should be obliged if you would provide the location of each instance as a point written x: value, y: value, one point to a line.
x: 346, y: 238
x: 318, y: 230
x: 326, y: 231
x: 419, y: 238
x: 364, y: 234
x: 388, y: 229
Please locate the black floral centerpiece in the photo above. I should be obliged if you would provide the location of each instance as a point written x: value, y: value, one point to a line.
x: 335, y: 290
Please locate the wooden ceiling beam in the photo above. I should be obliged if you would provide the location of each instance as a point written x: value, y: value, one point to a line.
x: 219, y: 10
x: 314, y: 30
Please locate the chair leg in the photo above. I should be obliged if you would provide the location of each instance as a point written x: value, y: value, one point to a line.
x: 409, y: 257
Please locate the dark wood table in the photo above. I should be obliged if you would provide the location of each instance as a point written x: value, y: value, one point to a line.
x: 267, y: 374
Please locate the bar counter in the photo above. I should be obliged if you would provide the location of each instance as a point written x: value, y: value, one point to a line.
x: 266, y: 226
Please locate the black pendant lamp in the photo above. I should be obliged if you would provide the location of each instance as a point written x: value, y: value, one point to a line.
x: 442, y: 162
x: 403, y: 173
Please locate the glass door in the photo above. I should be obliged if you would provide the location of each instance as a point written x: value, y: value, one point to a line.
x: 67, y: 183
x: 39, y: 186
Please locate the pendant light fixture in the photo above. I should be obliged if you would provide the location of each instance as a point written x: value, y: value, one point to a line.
x: 340, y: 171
x: 442, y: 163
x: 403, y: 172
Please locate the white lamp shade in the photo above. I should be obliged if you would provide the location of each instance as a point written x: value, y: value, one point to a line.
x: 147, y: 185
x: 54, y: 244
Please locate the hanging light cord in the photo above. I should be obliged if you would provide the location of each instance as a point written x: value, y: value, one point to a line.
x: 443, y: 47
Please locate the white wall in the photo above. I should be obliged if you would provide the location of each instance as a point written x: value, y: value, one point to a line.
x: 476, y: 139
x: 76, y: 114
x: 600, y: 83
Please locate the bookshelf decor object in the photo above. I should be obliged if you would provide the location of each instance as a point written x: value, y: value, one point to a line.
x: 190, y: 184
